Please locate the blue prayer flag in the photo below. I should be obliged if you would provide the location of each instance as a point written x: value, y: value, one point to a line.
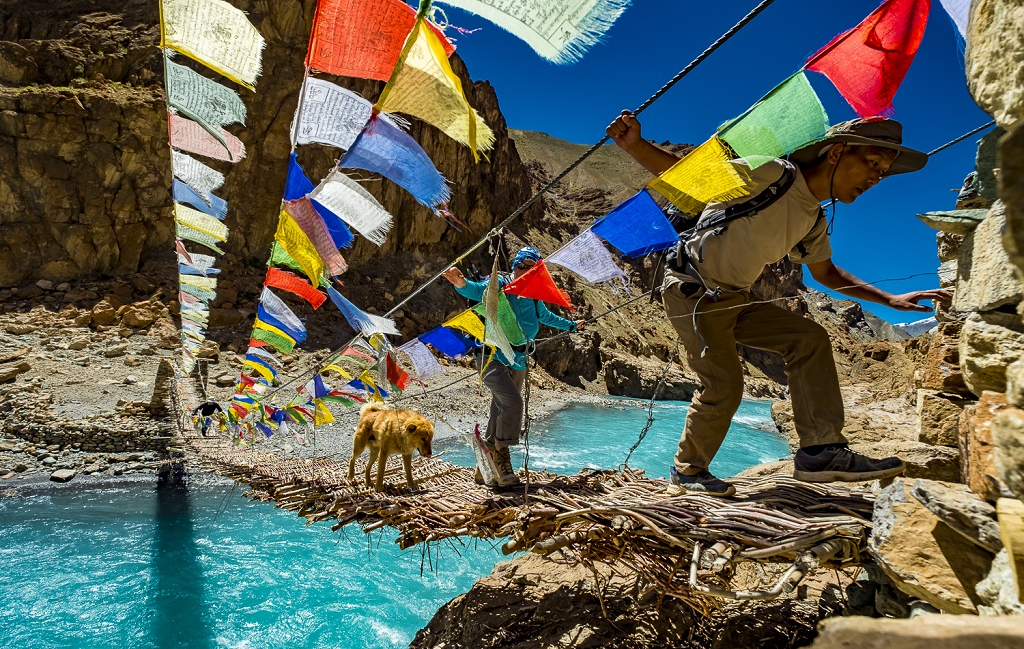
x: 185, y: 269
x: 297, y: 184
x: 636, y: 227
x: 339, y: 232
x: 183, y: 193
x: 386, y: 149
x: 449, y: 342
x: 264, y: 315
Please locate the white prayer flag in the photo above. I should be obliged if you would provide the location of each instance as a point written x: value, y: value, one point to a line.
x: 559, y: 30
x: 959, y: 11
x: 276, y: 307
x: 354, y: 205
x: 329, y: 114
x: 195, y: 174
x: 215, y: 34
x: 587, y: 257
x: 202, y: 263
x: 423, y: 361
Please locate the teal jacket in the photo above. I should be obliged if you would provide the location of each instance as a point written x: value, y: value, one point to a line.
x: 529, y: 313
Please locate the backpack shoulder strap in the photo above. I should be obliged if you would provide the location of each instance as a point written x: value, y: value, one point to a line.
x: 758, y: 203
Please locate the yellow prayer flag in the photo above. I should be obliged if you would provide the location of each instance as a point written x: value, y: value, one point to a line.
x: 424, y: 85
x: 262, y: 371
x: 334, y: 367
x: 371, y: 384
x: 200, y: 222
x: 704, y: 175
x: 469, y: 322
x: 215, y: 34
x: 259, y: 324
x: 299, y: 247
x: 323, y: 414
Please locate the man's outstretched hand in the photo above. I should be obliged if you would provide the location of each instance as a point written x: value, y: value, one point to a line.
x: 455, y: 276
x: 909, y: 301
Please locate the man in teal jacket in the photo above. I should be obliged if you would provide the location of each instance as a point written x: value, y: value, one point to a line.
x: 504, y: 377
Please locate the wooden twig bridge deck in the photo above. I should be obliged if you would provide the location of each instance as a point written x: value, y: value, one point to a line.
x: 616, y: 517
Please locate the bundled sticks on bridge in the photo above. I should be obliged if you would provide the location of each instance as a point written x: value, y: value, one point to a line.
x: 614, y: 517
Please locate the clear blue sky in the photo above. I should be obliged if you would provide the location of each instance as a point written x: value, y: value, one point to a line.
x: 879, y: 235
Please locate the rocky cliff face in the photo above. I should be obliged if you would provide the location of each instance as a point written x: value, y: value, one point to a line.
x: 84, y: 188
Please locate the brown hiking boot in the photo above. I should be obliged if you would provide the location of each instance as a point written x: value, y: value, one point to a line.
x: 501, y: 464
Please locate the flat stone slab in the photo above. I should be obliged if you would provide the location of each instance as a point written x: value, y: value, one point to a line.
x: 62, y: 475
x: 957, y: 506
x: 954, y: 221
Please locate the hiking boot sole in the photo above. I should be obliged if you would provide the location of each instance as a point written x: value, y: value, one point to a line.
x: 847, y: 476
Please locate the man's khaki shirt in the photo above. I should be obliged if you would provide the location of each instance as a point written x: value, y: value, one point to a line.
x: 734, y: 258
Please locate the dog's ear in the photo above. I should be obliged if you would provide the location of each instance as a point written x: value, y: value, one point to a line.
x: 410, y: 428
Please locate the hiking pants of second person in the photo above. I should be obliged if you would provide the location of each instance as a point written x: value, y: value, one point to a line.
x: 710, y: 342
x: 506, y: 420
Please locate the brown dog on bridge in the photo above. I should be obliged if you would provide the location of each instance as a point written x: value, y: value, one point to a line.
x: 388, y: 432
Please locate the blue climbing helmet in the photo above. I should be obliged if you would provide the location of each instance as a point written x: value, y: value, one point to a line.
x: 524, y: 254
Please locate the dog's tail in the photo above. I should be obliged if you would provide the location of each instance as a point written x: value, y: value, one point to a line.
x: 372, y: 407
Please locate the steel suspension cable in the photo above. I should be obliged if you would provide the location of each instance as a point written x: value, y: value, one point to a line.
x: 547, y: 187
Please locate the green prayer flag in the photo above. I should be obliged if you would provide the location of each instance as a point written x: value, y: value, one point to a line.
x: 788, y: 117
x: 280, y: 343
x: 280, y: 257
x: 506, y: 319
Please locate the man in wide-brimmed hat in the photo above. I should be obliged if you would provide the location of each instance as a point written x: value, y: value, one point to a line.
x: 707, y: 293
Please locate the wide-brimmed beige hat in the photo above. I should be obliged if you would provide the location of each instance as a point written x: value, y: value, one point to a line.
x: 876, y: 131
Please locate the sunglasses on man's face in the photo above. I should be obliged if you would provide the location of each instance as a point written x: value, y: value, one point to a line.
x: 529, y: 263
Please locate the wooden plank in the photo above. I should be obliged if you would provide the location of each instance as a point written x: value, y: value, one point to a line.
x: 1011, y: 529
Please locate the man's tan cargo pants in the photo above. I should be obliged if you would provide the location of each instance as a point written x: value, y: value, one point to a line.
x: 710, y: 340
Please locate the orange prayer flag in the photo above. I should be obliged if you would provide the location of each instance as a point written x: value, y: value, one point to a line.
x: 286, y: 281
x: 362, y: 38
x: 537, y: 284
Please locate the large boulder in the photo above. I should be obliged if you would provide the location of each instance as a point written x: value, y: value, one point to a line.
x: 941, y: 369
x: 989, y: 342
x: 930, y: 632
x: 995, y: 58
x: 922, y: 555
x: 980, y: 472
x: 1011, y: 189
x: 961, y: 509
x: 938, y: 417
x: 985, y: 276
x: 1008, y: 452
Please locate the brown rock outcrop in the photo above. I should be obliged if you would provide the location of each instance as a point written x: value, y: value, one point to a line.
x: 931, y: 632
x: 981, y: 473
x: 86, y: 169
x: 922, y: 555
x: 995, y: 75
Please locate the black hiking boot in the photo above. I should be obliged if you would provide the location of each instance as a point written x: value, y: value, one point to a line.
x: 701, y: 483
x: 840, y: 464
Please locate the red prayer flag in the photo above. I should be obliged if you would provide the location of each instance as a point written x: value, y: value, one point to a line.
x: 245, y: 380
x: 180, y: 247
x: 277, y: 278
x: 239, y: 410
x: 867, y: 63
x: 396, y: 375
x: 537, y: 284
x: 258, y: 343
x: 362, y: 38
